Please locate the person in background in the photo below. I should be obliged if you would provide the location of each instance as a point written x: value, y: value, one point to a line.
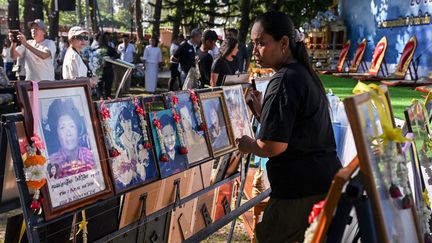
x: 214, y: 52
x: 63, y: 43
x: 242, y: 54
x: 73, y: 64
x: 95, y: 43
x: 60, y: 59
x: 225, y: 64
x: 185, y: 54
x: 21, y: 72
x: 127, y: 54
x: 105, y: 86
x: 8, y: 60
x: 127, y: 50
x: 38, y: 53
x: 296, y: 132
x: 152, y: 59
x: 205, y: 60
x: 174, y: 66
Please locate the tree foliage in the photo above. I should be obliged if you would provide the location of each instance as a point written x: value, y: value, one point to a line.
x: 179, y: 14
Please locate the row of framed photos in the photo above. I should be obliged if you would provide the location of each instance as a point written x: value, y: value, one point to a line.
x: 96, y: 149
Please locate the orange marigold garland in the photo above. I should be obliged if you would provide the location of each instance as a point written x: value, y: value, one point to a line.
x: 35, y: 164
x: 105, y: 113
x: 197, y: 111
x: 141, y: 114
x: 158, y: 126
x: 35, y: 171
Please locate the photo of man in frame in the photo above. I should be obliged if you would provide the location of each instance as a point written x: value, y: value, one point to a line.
x: 176, y: 162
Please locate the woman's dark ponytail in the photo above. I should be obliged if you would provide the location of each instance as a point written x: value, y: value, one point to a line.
x: 278, y: 24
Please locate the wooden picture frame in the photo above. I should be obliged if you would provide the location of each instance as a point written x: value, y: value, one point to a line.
x: 197, y: 141
x: 391, y: 221
x: 415, y: 178
x: 332, y: 199
x: 177, y: 162
x: 216, y: 118
x: 238, y: 111
x: 84, y: 179
x: 131, y: 163
x: 417, y: 124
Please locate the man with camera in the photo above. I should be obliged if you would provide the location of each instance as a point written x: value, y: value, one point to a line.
x: 38, y: 53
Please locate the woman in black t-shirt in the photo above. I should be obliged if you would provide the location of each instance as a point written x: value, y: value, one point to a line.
x: 225, y: 63
x: 296, y: 133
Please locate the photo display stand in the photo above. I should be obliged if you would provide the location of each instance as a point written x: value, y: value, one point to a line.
x: 129, y: 68
x: 391, y: 221
x: 39, y: 230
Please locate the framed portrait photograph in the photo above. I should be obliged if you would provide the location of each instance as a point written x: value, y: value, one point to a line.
x: 237, y: 111
x: 393, y: 221
x: 77, y: 174
x: 192, y: 119
x: 217, y: 121
x: 128, y: 142
x: 167, y: 143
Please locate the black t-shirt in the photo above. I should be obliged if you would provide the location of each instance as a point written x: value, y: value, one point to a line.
x: 242, y: 54
x: 205, y: 64
x: 108, y: 68
x: 224, y: 67
x: 186, y: 56
x: 295, y: 111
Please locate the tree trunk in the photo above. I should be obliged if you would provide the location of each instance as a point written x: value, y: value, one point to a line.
x: 138, y: 20
x: 13, y: 15
x: 212, y: 6
x: 93, y: 16
x: 178, y: 18
x: 53, y: 22
x: 245, y: 21
x: 33, y: 9
x: 156, y: 18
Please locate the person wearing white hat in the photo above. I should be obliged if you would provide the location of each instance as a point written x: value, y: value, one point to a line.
x: 73, y: 65
x: 38, y: 53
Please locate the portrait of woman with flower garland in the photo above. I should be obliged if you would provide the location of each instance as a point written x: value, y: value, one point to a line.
x: 194, y: 137
x: 134, y: 164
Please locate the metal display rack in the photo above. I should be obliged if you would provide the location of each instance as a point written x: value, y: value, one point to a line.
x: 35, y: 224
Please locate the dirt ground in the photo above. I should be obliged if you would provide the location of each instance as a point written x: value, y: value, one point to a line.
x: 240, y: 233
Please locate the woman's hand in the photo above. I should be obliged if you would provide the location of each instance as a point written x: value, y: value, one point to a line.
x: 262, y: 148
x: 94, y: 81
x: 254, y: 101
x: 245, y: 144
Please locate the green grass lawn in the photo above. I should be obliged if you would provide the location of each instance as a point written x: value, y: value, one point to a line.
x: 401, y: 97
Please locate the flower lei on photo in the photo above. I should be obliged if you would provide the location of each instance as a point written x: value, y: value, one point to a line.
x: 177, y: 119
x: 425, y: 208
x: 390, y: 159
x: 143, y: 123
x: 105, y: 113
x: 313, y: 220
x: 197, y: 111
x: 35, y: 164
x: 158, y: 126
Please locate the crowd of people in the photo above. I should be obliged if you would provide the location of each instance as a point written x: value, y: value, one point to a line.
x: 295, y: 134
x: 202, y: 53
